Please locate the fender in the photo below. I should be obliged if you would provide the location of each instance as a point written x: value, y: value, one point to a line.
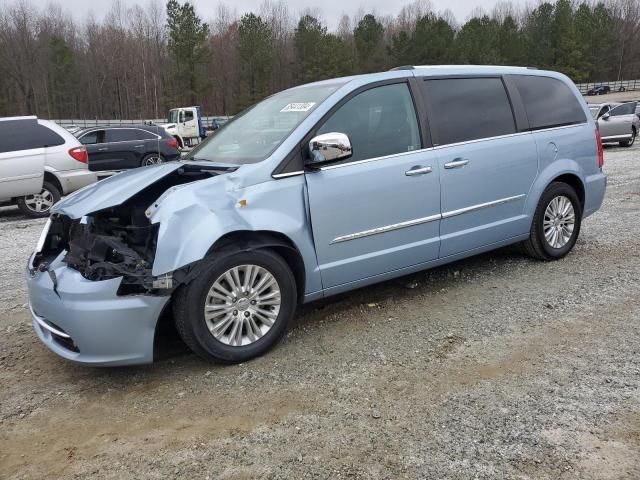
x: 195, y: 216
x: 551, y: 171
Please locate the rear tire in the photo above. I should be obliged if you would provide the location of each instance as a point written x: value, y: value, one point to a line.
x: 152, y: 159
x: 556, y: 223
x: 256, y: 315
x: 39, y: 205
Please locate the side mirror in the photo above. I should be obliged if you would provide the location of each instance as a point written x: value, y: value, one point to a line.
x: 605, y: 116
x: 330, y: 147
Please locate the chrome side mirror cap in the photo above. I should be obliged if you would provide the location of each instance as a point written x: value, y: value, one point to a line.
x: 330, y: 147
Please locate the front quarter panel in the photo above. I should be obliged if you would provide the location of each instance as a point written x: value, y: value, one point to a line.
x: 193, y: 218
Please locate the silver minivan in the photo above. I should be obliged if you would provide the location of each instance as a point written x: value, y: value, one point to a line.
x: 39, y: 162
x: 316, y: 190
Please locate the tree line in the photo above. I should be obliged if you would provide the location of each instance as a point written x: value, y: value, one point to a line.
x: 140, y: 61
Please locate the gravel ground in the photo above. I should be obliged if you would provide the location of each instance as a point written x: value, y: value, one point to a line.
x: 494, y: 367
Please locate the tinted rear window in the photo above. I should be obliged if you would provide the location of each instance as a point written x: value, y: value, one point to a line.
x: 121, y: 135
x: 144, y: 135
x: 548, y: 102
x: 469, y: 108
x: 26, y: 134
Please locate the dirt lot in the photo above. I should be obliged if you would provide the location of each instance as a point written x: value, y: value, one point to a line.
x: 494, y: 367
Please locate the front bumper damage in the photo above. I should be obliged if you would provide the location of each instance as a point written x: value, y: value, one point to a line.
x: 93, y: 296
x: 101, y: 327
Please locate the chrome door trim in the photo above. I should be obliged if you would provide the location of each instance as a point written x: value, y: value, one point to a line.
x: 438, y: 147
x: 288, y: 174
x: 367, y: 160
x: 386, y: 228
x: 472, y: 208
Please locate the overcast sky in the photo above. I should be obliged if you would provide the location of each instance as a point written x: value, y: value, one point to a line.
x: 330, y: 10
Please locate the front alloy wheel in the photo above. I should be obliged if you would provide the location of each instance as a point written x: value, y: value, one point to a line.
x: 237, y: 307
x: 242, y: 305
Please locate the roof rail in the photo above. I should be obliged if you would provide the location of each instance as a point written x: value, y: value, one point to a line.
x: 403, y: 67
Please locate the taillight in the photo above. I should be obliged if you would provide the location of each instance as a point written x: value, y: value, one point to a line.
x: 172, y: 142
x: 600, y: 150
x: 80, y: 154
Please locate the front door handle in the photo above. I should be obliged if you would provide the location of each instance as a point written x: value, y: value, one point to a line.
x: 139, y: 146
x: 418, y: 170
x: 103, y: 149
x: 457, y: 163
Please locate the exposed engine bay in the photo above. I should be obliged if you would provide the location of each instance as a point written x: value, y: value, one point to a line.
x: 118, y: 241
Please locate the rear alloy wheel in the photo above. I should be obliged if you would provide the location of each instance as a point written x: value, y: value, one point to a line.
x: 38, y: 205
x: 556, y: 223
x: 152, y: 159
x: 631, y: 141
x: 238, y: 308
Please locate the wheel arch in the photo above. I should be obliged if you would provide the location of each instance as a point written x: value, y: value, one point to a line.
x: 563, y: 170
x: 52, y: 179
x: 574, y: 182
x: 247, y: 240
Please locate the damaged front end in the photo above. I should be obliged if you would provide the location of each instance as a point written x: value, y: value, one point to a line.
x: 117, y: 241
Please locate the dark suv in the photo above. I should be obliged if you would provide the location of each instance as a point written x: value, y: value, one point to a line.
x: 120, y: 148
x: 599, y: 90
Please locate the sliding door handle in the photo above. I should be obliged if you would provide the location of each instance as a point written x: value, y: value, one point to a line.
x: 418, y: 170
x: 457, y: 163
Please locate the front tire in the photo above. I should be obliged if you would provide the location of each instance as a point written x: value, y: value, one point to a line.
x: 628, y: 143
x: 556, y: 223
x: 238, y: 308
x: 39, y: 205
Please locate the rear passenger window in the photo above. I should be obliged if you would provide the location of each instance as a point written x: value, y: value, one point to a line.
x: 121, y: 135
x: 466, y: 109
x: 379, y: 122
x: 548, y: 102
x: 144, y: 135
x: 26, y: 134
x: 45, y: 137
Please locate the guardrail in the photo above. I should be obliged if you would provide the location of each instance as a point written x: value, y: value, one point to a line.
x: 617, y: 86
x: 85, y: 123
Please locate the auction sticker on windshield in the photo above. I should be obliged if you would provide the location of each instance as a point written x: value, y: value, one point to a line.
x: 298, y: 107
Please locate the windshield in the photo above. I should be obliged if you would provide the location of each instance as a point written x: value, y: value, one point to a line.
x: 173, y: 116
x: 254, y: 134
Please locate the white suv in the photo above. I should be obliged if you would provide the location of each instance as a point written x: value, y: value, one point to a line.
x: 39, y: 162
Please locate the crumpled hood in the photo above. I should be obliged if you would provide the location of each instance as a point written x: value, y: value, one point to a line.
x: 112, y: 191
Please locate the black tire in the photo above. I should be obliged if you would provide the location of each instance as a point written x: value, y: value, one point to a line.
x: 152, y: 159
x: 27, y: 206
x: 189, y: 302
x: 628, y: 143
x: 537, y: 245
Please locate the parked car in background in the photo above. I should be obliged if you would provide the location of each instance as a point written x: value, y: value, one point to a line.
x: 39, y: 162
x: 316, y: 190
x: 125, y: 147
x: 599, y: 90
x: 617, y: 122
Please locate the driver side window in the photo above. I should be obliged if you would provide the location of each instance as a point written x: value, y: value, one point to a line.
x: 379, y: 122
